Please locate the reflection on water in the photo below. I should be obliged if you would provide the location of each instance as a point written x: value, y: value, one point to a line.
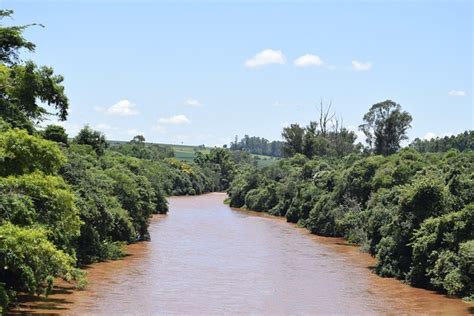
x: 205, y: 258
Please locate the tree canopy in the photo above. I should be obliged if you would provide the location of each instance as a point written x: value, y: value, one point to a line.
x: 385, y: 127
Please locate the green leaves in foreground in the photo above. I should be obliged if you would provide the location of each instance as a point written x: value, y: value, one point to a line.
x: 29, y: 261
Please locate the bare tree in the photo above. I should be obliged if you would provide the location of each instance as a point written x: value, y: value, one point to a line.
x: 325, y: 116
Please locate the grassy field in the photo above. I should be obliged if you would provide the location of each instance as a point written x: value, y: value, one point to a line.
x: 187, y: 153
x: 264, y: 161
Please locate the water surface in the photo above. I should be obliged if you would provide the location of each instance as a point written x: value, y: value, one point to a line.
x: 206, y: 258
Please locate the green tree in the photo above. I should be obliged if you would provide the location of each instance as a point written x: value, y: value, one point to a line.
x: 22, y: 153
x: 30, y: 262
x: 293, y: 140
x: 385, y: 127
x: 55, y: 133
x: 138, y: 139
x: 25, y: 86
x: 95, y: 139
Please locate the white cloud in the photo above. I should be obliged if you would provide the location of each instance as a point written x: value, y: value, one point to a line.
x: 121, y: 108
x: 193, y: 102
x: 361, y: 66
x: 266, y: 57
x: 457, y: 93
x: 175, y: 120
x: 308, y: 60
x: 429, y: 136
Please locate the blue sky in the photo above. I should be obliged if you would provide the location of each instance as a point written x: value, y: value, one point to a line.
x: 203, y: 72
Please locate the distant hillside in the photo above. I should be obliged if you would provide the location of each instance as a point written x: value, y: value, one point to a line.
x: 187, y: 152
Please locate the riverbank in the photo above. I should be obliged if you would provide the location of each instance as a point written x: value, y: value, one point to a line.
x: 206, y: 258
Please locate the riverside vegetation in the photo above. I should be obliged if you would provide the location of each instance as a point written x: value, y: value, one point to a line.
x: 411, y: 208
x: 69, y: 202
x: 65, y: 203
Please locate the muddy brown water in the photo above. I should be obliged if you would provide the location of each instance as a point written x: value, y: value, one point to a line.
x: 206, y: 258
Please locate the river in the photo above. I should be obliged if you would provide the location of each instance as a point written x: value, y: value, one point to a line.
x: 206, y: 258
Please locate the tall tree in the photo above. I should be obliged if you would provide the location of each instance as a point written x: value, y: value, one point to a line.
x: 55, y: 133
x: 385, y: 127
x: 95, y: 139
x: 23, y: 85
x: 138, y: 139
x: 293, y: 139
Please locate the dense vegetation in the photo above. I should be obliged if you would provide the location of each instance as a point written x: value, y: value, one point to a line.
x: 65, y: 203
x: 258, y: 146
x: 413, y: 211
x: 461, y: 142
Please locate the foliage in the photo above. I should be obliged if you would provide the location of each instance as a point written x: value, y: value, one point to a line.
x: 139, y: 149
x: 218, y: 162
x: 41, y: 199
x: 22, y: 153
x: 95, y: 139
x: 24, y: 86
x: 55, y: 133
x: 385, y: 127
x: 30, y: 261
x: 462, y: 142
x: 66, y: 204
x: 413, y: 212
x: 257, y: 145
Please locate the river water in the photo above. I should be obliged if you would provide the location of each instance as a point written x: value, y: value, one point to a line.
x: 206, y: 258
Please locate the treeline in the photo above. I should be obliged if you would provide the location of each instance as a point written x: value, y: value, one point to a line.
x: 413, y: 211
x: 65, y: 203
x: 461, y: 142
x: 257, y: 146
x: 139, y: 149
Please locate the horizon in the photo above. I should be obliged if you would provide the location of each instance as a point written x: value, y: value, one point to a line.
x: 203, y: 72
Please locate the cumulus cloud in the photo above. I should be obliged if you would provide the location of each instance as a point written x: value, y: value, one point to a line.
x: 193, y: 102
x: 361, y: 66
x: 308, y: 60
x: 121, y: 108
x: 175, y: 120
x: 457, y: 93
x: 266, y: 57
x: 429, y: 136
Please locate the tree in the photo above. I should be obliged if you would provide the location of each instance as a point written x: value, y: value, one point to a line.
x: 325, y: 117
x: 56, y: 134
x: 385, y: 127
x: 95, y: 139
x: 11, y: 40
x: 22, y: 153
x: 138, y: 139
x: 30, y: 262
x: 24, y: 86
x: 293, y: 139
